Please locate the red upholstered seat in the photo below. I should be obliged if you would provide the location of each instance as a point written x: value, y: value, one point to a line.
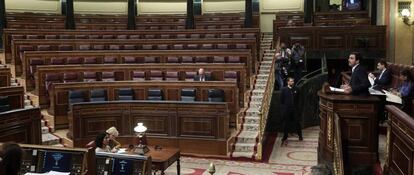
x: 172, y: 59
x: 81, y: 36
x: 178, y: 47
x: 171, y: 76
x: 129, y: 47
x: 241, y: 46
x: 165, y: 36
x: 187, y: 59
x: 146, y: 47
x: 225, y: 35
x: 149, y: 36
x: 121, y: 37
x: 74, y: 60
x: 234, y: 59
x: 52, y: 78
x: 65, y: 47
x: 34, y: 62
x: 85, y: 47
x: 150, y: 59
x: 222, y: 46
x: 110, y: 60
x: 230, y: 76
x: 207, y: 46
x: 237, y: 35
x: 70, y: 77
x: 129, y: 59
x: 156, y: 75
x: 189, y: 76
x: 181, y: 36
x: 99, y: 47
x: 89, y: 76
x: 114, y: 47
x: 108, y: 37
x: 250, y: 35
x: 138, y: 75
x: 210, y: 35
x: 65, y: 36
x: 108, y: 76
x: 32, y: 37
x: 58, y: 61
x: 94, y: 37
x: 44, y: 48
x: 134, y: 37
x: 50, y: 36
x: 162, y: 46
x: 201, y: 59
x: 195, y: 35
x: 218, y: 59
x: 90, y: 60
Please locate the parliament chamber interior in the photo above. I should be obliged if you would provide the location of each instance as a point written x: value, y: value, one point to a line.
x: 197, y: 87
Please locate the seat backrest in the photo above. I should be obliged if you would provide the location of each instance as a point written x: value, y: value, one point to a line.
x: 90, y: 60
x: 156, y: 75
x: 215, y: 95
x: 188, y: 94
x: 138, y: 75
x: 89, y: 76
x: 230, y: 76
x: 109, y: 60
x: 150, y: 59
x: 4, y: 103
x: 76, y: 96
x: 73, y: 60
x: 129, y: 59
x: 171, y: 76
x: 172, y: 59
x: 70, y: 77
x: 154, y: 94
x: 125, y: 94
x: 189, y: 76
x: 234, y: 59
x: 57, y: 61
x: 98, y: 95
x: 218, y: 59
x: 108, y: 76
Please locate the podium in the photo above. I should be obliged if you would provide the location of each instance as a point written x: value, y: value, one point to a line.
x: 356, y: 118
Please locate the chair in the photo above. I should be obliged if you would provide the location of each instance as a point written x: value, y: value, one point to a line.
x: 114, y: 47
x: 165, y: 36
x: 70, y: 77
x: 129, y: 60
x: 109, y: 60
x: 192, y: 46
x: 171, y: 76
x: 129, y: 47
x: 207, y: 46
x: 230, y: 76
x: 65, y: 47
x: 218, y: 59
x: 89, y: 77
x: 98, y: 95
x: 241, y: 46
x: 108, y: 37
x: 34, y: 62
x: 234, y: 59
x: 195, y: 35
x: 250, y: 35
x: 52, y: 78
x: 225, y: 35
x: 209, y: 36
x: 178, y: 47
x: 74, y: 60
x: 172, y: 59
x: 121, y: 37
x: 189, y: 76
x: 156, y: 75
x: 50, y: 36
x: 187, y: 59
x: 125, y: 94
x: 90, y: 60
x: 65, y: 37
x: 108, y: 76
x: 215, y: 95
x: 149, y: 36
x: 98, y: 47
x: 134, y: 37
x: 150, y: 59
x: 154, y: 94
x: 43, y: 48
x: 181, y: 36
x: 32, y: 37
x: 76, y: 96
x: 94, y: 37
x: 138, y: 75
x: 146, y: 47
x: 4, y: 103
x: 222, y: 46
x: 57, y: 61
x: 85, y: 47
x: 237, y: 35
x: 188, y: 94
x: 201, y: 59
x: 81, y: 37
x: 162, y: 47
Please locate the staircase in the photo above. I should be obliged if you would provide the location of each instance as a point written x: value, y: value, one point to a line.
x: 250, y: 136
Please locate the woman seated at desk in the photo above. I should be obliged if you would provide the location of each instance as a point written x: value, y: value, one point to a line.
x: 406, y: 90
x: 112, y: 134
x: 102, y: 143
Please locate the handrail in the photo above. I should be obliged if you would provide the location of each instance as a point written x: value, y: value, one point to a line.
x: 264, y: 108
x: 338, y: 161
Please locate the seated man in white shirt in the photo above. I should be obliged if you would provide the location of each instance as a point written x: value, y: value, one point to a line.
x: 383, y: 79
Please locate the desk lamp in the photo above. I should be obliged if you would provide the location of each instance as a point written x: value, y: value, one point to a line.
x: 141, y: 148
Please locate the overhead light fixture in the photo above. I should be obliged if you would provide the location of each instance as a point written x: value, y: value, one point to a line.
x: 405, y: 13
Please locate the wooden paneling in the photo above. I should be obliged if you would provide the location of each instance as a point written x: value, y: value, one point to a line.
x: 160, y: 55
x: 333, y: 39
x: 139, y: 44
x: 125, y: 71
x: 358, y: 122
x: 400, y: 143
x: 21, y: 126
x: 177, y: 129
x: 7, y: 34
x: 342, y: 18
x: 15, y: 94
x: 5, y: 76
x: 59, y: 97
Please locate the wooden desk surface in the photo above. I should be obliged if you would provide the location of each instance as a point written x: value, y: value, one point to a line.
x: 164, y: 158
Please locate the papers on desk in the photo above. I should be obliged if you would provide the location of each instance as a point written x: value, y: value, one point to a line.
x: 372, y: 91
x: 371, y: 81
x: 334, y: 89
x: 49, y: 173
x: 393, y: 98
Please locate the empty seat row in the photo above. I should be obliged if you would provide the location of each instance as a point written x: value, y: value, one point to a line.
x: 4, y: 103
x: 23, y: 48
x: 95, y: 95
x: 135, y: 36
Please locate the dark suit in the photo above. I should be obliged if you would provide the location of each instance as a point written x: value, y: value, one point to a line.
x: 384, y: 81
x: 206, y: 78
x: 288, y: 103
x: 359, y: 81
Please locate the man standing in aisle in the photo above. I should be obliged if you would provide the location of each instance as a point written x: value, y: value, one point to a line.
x: 289, y: 100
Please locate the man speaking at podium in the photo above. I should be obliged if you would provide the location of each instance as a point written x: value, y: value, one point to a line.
x: 359, y: 83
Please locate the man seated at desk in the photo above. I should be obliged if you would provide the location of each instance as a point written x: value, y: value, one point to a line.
x: 359, y: 83
x: 383, y: 80
x: 202, y: 76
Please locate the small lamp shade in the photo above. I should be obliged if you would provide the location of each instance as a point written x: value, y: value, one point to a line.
x: 405, y: 13
x: 140, y: 128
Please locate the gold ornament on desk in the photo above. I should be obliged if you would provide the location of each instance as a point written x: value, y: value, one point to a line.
x: 212, y: 169
x: 141, y: 147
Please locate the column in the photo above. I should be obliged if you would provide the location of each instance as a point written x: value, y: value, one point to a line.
x: 308, y: 10
x: 131, y: 14
x: 374, y: 12
x: 189, y: 23
x: 70, y: 19
x: 248, y: 14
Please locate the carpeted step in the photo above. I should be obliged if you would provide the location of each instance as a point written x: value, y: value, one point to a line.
x: 251, y: 119
x: 244, y: 147
x: 251, y: 127
x: 243, y: 154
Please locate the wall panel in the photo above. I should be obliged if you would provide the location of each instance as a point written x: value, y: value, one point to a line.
x: 100, y: 7
x: 162, y: 6
x: 44, y: 6
x: 223, y: 6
